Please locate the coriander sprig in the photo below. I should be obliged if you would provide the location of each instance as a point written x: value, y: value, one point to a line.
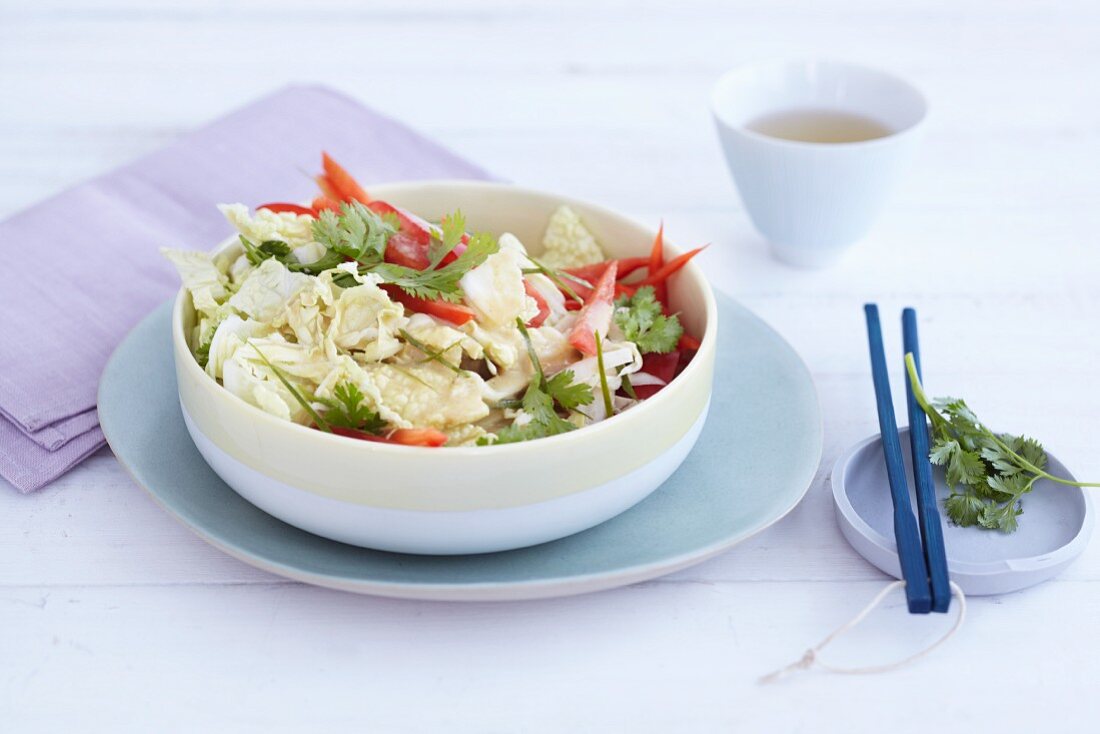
x: 988, y: 473
x: 347, y: 408
x: 642, y: 321
x: 542, y: 400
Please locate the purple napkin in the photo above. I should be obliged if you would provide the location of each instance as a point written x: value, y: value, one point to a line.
x: 82, y: 268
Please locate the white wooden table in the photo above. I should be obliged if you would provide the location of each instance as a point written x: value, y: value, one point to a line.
x: 114, y: 617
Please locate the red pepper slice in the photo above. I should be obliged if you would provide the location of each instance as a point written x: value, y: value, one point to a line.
x: 456, y: 313
x: 596, y: 314
x: 280, y: 207
x: 656, y: 262
x: 343, y: 184
x: 544, y: 307
x: 402, y: 436
x: 689, y: 343
x: 418, y: 437
x: 669, y: 268
x: 321, y: 203
x: 592, y: 273
x: 326, y: 187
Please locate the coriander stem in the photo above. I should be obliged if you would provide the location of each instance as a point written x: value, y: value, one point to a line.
x: 321, y: 422
x: 1031, y: 467
x: 918, y: 391
x: 608, y: 407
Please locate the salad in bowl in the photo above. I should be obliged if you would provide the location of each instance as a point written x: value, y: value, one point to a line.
x: 442, y: 367
x: 357, y: 317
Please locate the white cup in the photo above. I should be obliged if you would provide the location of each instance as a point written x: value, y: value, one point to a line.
x: 811, y: 200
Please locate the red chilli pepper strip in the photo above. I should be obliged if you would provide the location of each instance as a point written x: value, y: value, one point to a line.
x: 343, y: 183
x: 323, y: 203
x: 669, y: 268
x: 418, y: 437
x: 282, y: 207
x: 689, y: 343
x: 327, y: 191
x: 592, y: 273
x: 456, y: 313
x: 657, y: 253
x: 402, y: 436
x: 656, y: 262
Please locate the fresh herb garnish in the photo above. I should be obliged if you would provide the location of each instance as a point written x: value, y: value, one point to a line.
x: 642, y: 321
x: 558, y: 278
x: 440, y: 283
x: 317, y: 419
x: 356, y: 233
x: 431, y: 354
x: 267, y: 249
x: 988, y: 473
x: 348, y: 409
x: 542, y: 400
x: 360, y: 235
x: 607, y: 405
x: 628, y: 387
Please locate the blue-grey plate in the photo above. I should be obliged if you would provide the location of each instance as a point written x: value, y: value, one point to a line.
x: 753, y: 463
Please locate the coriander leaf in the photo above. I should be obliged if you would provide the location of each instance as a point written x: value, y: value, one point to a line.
x: 1000, y: 517
x: 348, y: 409
x: 528, y: 432
x: 541, y: 401
x: 942, y: 451
x: 1013, y: 486
x: 965, y: 467
x: 356, y: 233
x: 643, y: 322
x: 567, y: 394
x: 452, y: 228
x: 1033, y: 453
x: 964, y: 509
x: 539, y: 405
x: 440, y: 283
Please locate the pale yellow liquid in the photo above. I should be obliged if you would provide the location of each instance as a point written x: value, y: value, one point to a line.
x: 819, y: 126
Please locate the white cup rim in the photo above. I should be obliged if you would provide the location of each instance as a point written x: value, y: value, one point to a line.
x: 737, y: 74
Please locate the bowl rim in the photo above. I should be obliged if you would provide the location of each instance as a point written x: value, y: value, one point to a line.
x: 696, y: 366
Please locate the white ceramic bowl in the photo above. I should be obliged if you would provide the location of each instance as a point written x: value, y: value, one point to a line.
x: 460, y: 500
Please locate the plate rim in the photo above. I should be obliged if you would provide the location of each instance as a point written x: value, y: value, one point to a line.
x: 501, y: 590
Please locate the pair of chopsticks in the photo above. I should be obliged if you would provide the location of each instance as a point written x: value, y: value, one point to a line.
x: 923, y: 565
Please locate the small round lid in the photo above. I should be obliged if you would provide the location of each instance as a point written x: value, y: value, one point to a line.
x: 1054, y: 529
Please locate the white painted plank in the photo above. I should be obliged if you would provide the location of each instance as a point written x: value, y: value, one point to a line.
x: 654, y: 658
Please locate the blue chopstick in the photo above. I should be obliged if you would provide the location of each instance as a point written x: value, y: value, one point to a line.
x: 913, y: 568
x: 928, y: 512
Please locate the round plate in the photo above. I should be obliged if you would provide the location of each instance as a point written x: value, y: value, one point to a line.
x: 753, y: 463
x: 1054, y: 529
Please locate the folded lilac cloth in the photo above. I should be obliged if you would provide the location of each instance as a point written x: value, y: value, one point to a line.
x: 82, y: 268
